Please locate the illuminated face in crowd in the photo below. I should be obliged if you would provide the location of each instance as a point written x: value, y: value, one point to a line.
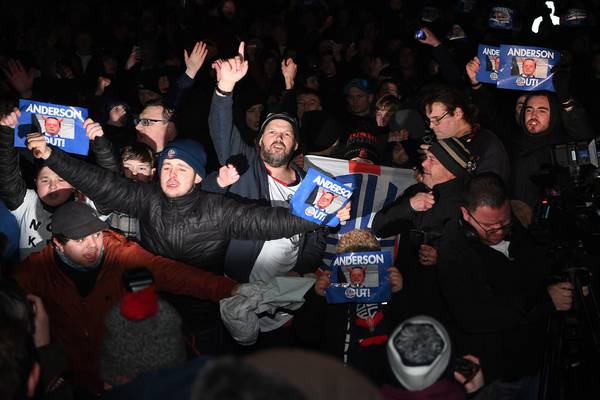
x: 277, y: 143
x: 177, y: 178
x: 492, y: 224
x: 359, y: 102
x: 444, y: 123
x: 307, y: 102
x: 84, y: 251
x: 137, y: 170
x: 434, y: 172
x: 51, y: 188
x: 51, y: 126
x: 153, y: 129
x: 537, y: 114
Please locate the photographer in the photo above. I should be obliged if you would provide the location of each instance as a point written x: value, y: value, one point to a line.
x: 419, y: 216
x: 494, y: 280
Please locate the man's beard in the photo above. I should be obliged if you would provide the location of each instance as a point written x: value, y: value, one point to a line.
x: 276, y: 160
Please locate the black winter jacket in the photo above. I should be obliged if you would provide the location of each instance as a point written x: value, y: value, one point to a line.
x: 497, y: 306
x: 194, y: 228
x: 421, y: 293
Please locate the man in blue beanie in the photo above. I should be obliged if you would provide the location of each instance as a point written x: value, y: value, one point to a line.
x: 177, y: 219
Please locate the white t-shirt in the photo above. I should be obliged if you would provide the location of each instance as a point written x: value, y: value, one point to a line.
x: 277, y: 257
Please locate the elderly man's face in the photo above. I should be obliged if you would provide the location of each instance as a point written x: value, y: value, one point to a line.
x: 434, y: 172
x: 529, y: 67
x: 52, y: 126
x: 325, y: 200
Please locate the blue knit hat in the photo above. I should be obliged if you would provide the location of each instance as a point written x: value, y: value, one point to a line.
x: 190, y: 151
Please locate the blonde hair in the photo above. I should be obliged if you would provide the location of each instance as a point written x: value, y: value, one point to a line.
x: 358, y: 240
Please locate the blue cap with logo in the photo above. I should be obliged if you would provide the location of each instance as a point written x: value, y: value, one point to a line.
x: 190, y: 151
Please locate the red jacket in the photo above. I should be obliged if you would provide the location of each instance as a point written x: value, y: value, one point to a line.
x: 78, y: 323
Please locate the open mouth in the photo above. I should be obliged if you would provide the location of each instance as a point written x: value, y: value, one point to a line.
x: 172, y: 183
x: 90, y: 257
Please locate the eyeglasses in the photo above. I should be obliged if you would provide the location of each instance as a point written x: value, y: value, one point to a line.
x: 489, y: 232
x: 148, y: 121
x: 437, y: 120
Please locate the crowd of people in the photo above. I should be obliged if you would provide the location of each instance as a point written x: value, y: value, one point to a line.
x: 166, y: 262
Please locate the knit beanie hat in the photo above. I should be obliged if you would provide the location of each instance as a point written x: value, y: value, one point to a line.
x: 453, y: 155
x: 363, y: 145
x: 418, y: 352
x: 190, y: 151
x: 320, y: 130
x: 143, y: 334
x: 284, y: 116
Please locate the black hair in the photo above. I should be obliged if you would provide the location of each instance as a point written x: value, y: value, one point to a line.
x: 452, y: 98
x: 485, y: 189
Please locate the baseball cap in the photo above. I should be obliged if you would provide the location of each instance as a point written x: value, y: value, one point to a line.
x: 76, y: 220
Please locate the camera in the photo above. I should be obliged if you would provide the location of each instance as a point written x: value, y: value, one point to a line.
x: 420, y: 35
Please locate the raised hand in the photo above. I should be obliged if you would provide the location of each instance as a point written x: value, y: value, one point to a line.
x: 230, y: 71
x: 289, y: 70
x: 10, y: 119
x: 19, y: 78
x: 430, y: 38
x: 38, y: 146
x: 228, y: 175
x: 134, y: 57
x: 472, y: 68
x: 195, y: 59
x: 92, y: 129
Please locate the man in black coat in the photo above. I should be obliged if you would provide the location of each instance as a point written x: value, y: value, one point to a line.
x: 494, y: 281
x: 419, y: 215
x: 177, y: 219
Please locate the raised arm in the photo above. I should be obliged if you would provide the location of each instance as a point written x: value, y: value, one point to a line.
x: 106, y: 188
x: 101, y: 146
x: 224, y: 134
x: 12, y: 185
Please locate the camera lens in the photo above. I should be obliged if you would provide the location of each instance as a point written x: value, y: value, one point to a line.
x: 419, y: 35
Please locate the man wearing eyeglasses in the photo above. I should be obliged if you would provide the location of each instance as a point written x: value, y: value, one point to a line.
x: 494, y: 280
x: 451, y: 115
x: 154, y: 125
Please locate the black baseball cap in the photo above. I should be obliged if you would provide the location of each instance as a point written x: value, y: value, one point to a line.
x: 76, y: 220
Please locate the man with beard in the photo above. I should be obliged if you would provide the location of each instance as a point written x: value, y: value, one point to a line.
x: 271, y: 178
x: 541, y: 122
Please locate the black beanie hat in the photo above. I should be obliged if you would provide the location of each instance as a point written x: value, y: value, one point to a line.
x: 284, y: 116
x: 453, y: 155
x: 363, y: 145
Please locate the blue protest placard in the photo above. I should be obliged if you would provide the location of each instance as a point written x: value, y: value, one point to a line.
x: 360, y: 278
x: 502, y: 18
x: 62, y: 126
x: 489, y: 61
x: 526, y: 67
x: 319, y: 197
